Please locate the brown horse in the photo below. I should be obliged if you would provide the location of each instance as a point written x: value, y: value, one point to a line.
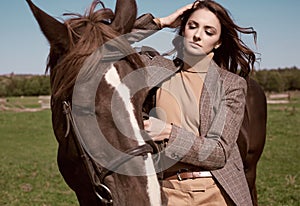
x: 71, y: 45
x: 104, y: 159
x: 252, y: 135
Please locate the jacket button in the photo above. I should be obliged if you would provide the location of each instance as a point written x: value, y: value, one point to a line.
x: 175, y: 156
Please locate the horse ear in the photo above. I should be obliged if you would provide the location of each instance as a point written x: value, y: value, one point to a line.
x: 55, y: 31
x: 125, y: 16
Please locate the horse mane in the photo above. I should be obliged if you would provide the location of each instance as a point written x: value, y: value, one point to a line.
x: 86, y: 34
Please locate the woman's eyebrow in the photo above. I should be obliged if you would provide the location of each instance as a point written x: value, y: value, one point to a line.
x: 197, y: 24
x: 193, y: 22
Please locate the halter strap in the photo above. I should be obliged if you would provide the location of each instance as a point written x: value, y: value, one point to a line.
x: 90, y: 165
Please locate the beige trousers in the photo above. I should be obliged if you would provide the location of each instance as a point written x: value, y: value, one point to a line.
x: 194, y: 192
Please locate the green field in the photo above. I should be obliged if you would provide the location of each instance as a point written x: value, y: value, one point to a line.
x: 278, y: 178
x: 28, y: 169
x: 30, y: 177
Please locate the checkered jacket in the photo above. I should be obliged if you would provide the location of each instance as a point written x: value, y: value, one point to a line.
x: 222, y: 109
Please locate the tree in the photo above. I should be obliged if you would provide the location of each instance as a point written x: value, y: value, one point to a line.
x: 32, y: 86
x: 275, y: 82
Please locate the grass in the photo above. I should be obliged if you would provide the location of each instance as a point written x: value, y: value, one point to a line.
x: 28, y: 169
x: 30, y: 177
x: 278, y: 178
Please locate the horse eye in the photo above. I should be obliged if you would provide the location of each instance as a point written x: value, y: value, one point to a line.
x: 106, y: 21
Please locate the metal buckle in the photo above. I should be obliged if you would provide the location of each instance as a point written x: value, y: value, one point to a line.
x: 106, y: 191
x: 180, y: 171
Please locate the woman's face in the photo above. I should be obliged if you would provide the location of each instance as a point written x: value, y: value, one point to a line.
x: 201, y: 33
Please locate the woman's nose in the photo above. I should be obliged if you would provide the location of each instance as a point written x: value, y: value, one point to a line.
x: 197, y: 35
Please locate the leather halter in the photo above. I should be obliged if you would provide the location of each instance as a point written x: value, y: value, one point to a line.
x: 92, y: 167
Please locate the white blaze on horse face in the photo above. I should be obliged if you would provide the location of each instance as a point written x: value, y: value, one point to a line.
x: 123, y: 91
x: 153, y: 187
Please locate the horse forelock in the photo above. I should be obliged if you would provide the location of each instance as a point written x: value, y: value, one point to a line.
x: 86, y: 34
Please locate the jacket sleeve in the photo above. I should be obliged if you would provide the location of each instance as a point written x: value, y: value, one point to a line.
x: 144, y: 26
x: 212, y: 150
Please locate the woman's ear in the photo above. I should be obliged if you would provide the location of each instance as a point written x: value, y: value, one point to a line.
x: 218, y: 45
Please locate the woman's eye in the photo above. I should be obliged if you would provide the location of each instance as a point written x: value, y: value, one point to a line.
x: 192, y: 26
x: 209, y: 33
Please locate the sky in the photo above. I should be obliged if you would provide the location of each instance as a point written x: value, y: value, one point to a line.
x: 24, y: 49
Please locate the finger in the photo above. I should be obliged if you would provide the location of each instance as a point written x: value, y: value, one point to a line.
x: 183, y: 9
x: 146, y: 125
x: 159, y: 137
x: 177, y: 23
x: 178, y: 14
x: 146, y: 122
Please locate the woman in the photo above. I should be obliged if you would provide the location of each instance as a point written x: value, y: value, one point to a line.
x: 198, y: 110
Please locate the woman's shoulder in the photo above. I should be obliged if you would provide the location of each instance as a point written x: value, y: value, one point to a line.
x: 232, y: 80
x: 230, y: 76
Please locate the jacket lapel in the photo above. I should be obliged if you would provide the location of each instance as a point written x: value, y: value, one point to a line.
x: 209, y: 95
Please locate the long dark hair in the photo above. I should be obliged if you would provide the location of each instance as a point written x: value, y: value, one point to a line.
x: 233, y: 54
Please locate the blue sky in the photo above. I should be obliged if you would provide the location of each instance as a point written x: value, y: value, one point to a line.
x: 24, y: 50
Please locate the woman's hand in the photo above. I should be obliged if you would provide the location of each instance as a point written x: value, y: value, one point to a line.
x: 157, y: 129
x: 174, y: 20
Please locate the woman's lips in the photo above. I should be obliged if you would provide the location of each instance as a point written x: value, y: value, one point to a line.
x: 195, y: 44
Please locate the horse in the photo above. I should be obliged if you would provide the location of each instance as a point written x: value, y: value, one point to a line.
x: 252, y: 136
x: 81, y: 111
x: 64, y: 67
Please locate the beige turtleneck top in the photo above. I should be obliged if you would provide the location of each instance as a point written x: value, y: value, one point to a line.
x: 178, y: 98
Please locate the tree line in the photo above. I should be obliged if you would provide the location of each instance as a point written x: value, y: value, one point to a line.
x: 271, y: 80
x: 24, y: 85
x: 278, y: 80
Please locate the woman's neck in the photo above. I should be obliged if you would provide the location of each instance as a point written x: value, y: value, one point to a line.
x: 197, y: 63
